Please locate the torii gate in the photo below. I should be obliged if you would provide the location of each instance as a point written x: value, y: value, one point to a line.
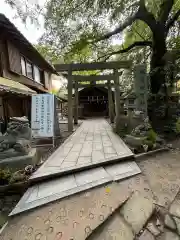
x: 74, y: 80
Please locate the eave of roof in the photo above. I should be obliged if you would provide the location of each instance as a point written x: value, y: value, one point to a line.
x: 17, y: 38
x: 8, y: 85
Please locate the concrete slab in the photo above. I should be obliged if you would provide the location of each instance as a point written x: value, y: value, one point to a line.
x: 70, y: 218
x: 59, y: 188
x: 95, y: 140
x: 123, y: 170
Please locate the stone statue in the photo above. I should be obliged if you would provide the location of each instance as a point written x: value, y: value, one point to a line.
x: 16, y: 141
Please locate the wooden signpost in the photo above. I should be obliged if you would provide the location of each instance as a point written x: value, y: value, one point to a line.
x: 44, y: 119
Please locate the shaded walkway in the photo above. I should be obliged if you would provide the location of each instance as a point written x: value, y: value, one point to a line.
x: 93, y: 144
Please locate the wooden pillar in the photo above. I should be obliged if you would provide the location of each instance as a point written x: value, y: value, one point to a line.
x: 76, y: 103
x: 70, y: 105
x: 117, y: 93
x: 110, y: 103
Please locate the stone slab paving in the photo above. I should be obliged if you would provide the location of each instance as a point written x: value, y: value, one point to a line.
x: 162, y: 173
x: 175, y: 206
x: 146, y: 235
x: 168, y: 235
x: 55, y: 189
x: 137, y: 211
x: 94, y: 143
x: 138, y: 184
x: 115, y: 228
x: 72, y: 218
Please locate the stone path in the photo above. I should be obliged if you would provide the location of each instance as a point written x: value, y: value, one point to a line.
x: 94, y: 140
x: 93, y: 144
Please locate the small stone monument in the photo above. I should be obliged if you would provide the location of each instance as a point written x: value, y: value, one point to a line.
x: 141, y: 85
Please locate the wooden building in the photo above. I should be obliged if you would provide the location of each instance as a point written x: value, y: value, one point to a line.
x: 93, y: 102
x: 23, y: 71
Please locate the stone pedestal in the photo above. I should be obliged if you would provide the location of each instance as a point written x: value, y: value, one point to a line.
x: 19, y: 162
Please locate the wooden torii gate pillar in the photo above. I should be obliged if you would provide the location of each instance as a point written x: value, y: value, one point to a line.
x: 70, y: 102
x: 117, y: 93
x: 76, y: 103
x: 110, y: 103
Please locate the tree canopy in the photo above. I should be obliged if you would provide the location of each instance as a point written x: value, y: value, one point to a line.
x: 83, y: 31
x: 72, y: 24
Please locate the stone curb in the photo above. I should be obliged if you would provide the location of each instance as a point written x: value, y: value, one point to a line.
x: 3, y: 227
x: 141, y: 156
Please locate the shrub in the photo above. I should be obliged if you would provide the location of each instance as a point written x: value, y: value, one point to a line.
x: 5, y: 176
x: 178, y: 126
x: 151, y: 136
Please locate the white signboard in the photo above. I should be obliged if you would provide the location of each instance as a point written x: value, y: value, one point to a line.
x: 42, y: 116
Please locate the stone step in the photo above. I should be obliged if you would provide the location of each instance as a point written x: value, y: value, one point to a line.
x: 71, y: 218
x: 52, y: 190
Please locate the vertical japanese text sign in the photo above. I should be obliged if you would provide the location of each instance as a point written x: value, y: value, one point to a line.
x: 42, y: 115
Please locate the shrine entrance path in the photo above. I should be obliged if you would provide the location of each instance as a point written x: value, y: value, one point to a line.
x: 93, y: 144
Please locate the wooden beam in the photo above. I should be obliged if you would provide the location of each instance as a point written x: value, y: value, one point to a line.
x: 89, y: 85
x: 93, y: 66
x: 76, y: 103
x: 82, y: 78
x: 70, y: 107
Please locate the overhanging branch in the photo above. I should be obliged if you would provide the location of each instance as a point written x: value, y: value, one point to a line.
x: 171, y: 22
x: 142, y: 14
x: 135, y: 44
x: 166, y: 7
x: 119, y: 29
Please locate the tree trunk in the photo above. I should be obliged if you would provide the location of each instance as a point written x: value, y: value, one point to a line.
x: 157, y: 73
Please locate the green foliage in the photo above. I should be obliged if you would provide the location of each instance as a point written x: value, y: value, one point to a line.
x: 49, y: 53
x: 71, y: 24
x: 178, y: 126
x: 151, y: 136
x: 5, y: 175
x: 55, y: 92
x: 27, y: 9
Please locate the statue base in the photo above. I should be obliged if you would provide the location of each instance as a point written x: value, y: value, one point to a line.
x: 19, y: 162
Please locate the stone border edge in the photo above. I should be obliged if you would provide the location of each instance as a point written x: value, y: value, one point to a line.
x: 151, y: 153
